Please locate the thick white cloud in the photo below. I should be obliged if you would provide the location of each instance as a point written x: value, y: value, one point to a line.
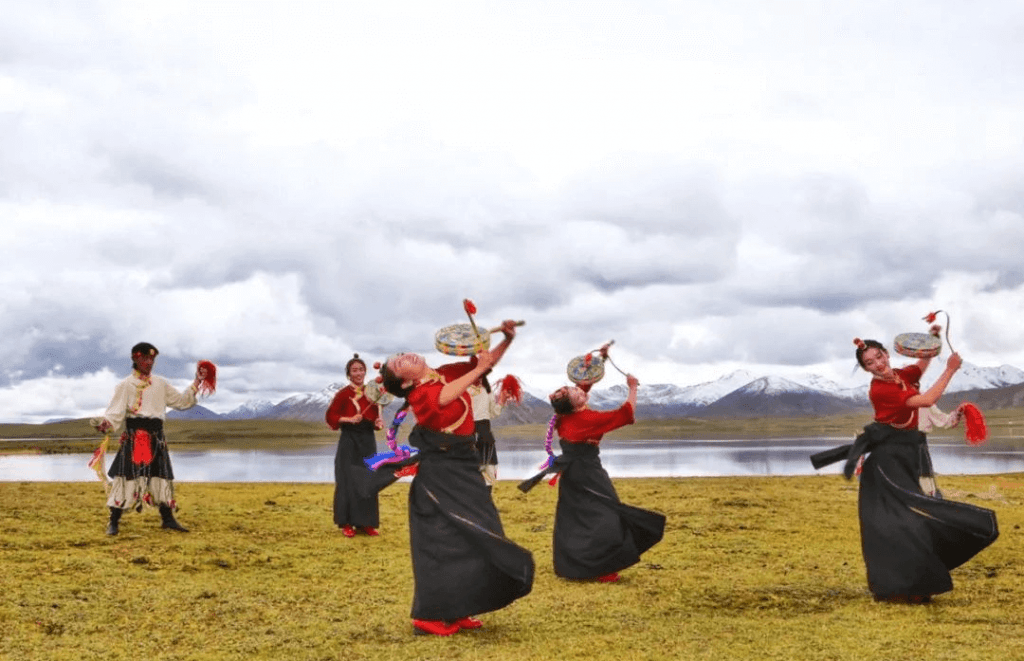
x: 713, y: 185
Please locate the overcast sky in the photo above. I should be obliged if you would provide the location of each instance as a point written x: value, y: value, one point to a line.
x: 724, y: 185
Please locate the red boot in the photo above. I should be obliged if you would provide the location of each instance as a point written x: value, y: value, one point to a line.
x: 468, y: 623
x: 433, y: 627
x: 348, y: 530
x: 372, y: 532
x: 609, y: 578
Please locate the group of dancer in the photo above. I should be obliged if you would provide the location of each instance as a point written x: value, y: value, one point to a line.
x: 463, y: 563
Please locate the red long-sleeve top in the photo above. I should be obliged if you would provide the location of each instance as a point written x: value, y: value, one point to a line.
x: 890, y: 399
x: 346, y: 403
x: 456, y: 417
x: 589, y: 426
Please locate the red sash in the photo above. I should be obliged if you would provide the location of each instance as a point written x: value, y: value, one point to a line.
x: 142, y: 450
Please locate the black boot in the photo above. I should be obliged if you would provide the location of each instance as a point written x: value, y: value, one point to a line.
x: 115, y: 516
x: 167, y: 514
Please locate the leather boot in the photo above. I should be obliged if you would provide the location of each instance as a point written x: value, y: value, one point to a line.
x: 169, y: 521
x: 115, y: 516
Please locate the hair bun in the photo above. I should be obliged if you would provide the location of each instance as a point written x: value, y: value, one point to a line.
x: 859, y: 343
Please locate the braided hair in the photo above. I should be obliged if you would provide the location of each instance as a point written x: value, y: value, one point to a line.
x: 393, y: 384
x: 562, y: 405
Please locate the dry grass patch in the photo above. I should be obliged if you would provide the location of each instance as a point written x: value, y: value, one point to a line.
x: 765, y: 568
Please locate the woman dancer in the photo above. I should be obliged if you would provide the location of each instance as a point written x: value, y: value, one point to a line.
x: 355, y: 507
x: 463, y: 564
x: 596, y: 535
x: 910, y: 537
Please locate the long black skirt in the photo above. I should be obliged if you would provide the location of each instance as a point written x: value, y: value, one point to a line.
x: 595, y: 533
x: 485, y: 443
x: 462, y: 562
x: 355, y: 504
x: 910, y: 540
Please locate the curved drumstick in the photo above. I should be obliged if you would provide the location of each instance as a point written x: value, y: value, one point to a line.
x: 604, y: 354
x: 355, y: 402
x: 930, y: 317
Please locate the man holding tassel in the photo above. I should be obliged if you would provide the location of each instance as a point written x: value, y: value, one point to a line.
x: 141, y: 470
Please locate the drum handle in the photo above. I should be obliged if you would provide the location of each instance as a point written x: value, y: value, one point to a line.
x: 951, y: 349
x: 498, y: 328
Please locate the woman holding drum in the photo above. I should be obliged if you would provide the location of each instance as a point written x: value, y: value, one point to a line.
x: 596, y: 535
x: 463, y: 564
x: 355, y: 410
x: 910, y: 537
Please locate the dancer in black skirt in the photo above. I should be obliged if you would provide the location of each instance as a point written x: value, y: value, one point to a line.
x: 463, y: 564
x: 596, y: 535
x: 357, y: 417
x: 910, y: 536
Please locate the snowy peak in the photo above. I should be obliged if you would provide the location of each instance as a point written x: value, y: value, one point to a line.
x: 255, y: 408
x: 773, y: 385
x: 739, y: 393
x: 972, y: 377
x: 710, y: 391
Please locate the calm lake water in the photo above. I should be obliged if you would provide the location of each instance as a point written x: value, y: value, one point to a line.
x: 638, y: 459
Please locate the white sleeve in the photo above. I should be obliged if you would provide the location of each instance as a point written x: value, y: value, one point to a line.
x: 178, y: 400
x: 117, y: 411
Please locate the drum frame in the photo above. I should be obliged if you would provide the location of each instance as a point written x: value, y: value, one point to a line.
x: 452, y: 348
x: 903, y: 339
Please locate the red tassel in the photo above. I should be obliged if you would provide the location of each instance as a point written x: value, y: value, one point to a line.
x: 974, y: 424
x: 209, y: 384
x: 553, y: 481
x: 142, y: 451
x: 407, y: 471
x: 468, y: 306
x: 511, y: 389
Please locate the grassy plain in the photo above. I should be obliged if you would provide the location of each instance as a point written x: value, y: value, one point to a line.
x: 750, y: 568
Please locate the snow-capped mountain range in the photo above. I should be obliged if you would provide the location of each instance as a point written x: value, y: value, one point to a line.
x: 737, y: 394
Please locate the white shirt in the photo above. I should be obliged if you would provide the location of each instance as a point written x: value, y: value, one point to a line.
x: 140, y: 397
x: 484, y: 406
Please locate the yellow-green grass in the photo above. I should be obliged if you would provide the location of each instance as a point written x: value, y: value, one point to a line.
x: 1006, y: 426
x: 750, y: 568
